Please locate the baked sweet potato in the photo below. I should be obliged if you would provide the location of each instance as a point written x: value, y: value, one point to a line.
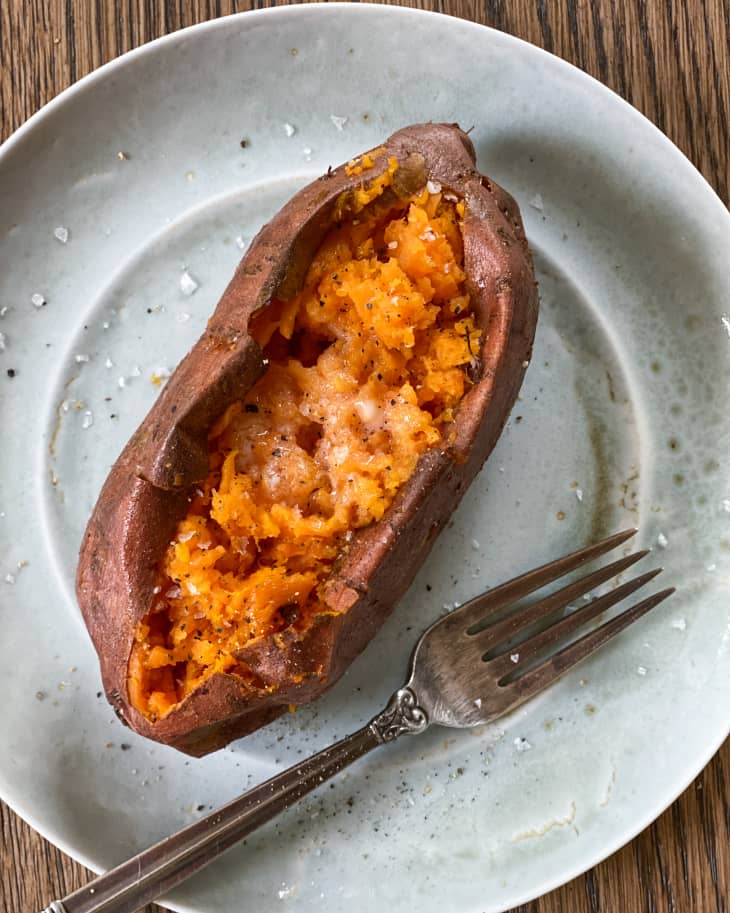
x: 292, y: 476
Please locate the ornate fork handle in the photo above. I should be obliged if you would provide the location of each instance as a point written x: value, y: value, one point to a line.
x: 402, y: 716
x: 142, y: 879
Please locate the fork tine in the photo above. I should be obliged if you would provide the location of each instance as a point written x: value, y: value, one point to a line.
x: 543, y: 675
x: 511, y: 661
x: 498, y: 597
x: 497, y: 633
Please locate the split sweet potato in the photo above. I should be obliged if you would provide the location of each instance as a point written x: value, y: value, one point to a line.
x: 281, y: 494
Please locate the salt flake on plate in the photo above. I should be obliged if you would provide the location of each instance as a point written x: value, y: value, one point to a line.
x: 522, y: 744
x: 61, y: 234
x: 188, y: 285
x: 88, y: 419
x: 37, y: 300
x: 537, y: 203
x: 662, y: 541
x: 339, y: 122
x: 290, y: 129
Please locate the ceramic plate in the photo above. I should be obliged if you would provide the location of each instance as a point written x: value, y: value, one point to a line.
x: 126, y: 204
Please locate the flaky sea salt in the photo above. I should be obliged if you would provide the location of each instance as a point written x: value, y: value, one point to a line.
x: 136, y: 371
x: 392, y: 245
x: 726, y: 505
x: 82, y: 358
x: 662, y: 541
x: 433, y: 187
x: 579, y: 494
x: 4, y: 310
x: 641, y: 670
x: 3, y: 342
x: 108, y: 363
x: 514, y: 657
x: 475, y: 544
x: 182, y: 317
x: 290, y: 129
x: 307, y: 153
x: 339, y: 122
x: 241, y: 243
x: 537, y: 203
x: 478, y: 703
x: 188, y: 285
x: 122, y: 382
x: 522, y: 744
x: 88, y: 420
x: 726, y: 323
x: 61, y: 234
x: 9, y: 578
x: 679, y: 624
x: 37, y: 299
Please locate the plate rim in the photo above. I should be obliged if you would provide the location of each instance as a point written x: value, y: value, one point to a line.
x: 701, y: 184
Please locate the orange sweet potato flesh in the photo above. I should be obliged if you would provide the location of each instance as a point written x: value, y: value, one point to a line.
x: 172, y: 477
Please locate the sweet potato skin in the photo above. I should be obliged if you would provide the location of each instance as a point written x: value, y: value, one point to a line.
x: 148, y: 489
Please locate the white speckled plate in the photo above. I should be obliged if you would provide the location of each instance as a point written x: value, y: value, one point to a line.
x: 625, y: 404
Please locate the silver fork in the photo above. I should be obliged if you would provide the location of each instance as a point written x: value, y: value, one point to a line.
x: 469, y: 668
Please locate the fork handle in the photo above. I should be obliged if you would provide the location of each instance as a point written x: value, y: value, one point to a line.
x: 154, y: 871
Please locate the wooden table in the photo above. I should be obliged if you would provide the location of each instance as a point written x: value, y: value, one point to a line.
x: 670, y: 58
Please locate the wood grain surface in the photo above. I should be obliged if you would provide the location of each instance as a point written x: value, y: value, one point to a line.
x: 669, y: 58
